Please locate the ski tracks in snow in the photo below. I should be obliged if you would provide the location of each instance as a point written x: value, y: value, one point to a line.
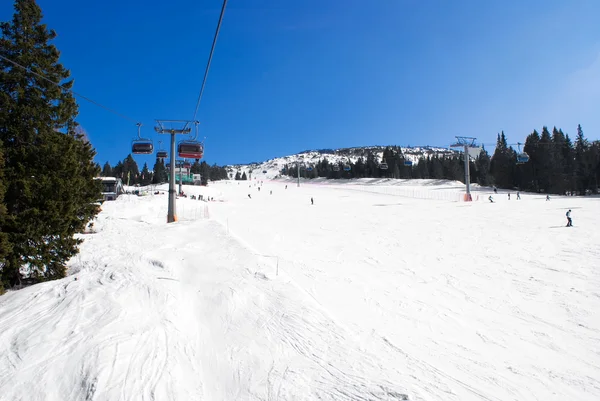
x: 279, y: 343
x: 178, y: 312
x: 104, y: 333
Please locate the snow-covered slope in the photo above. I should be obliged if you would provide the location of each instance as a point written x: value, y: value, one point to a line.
x: 272, y: 168
x: 364, y: 295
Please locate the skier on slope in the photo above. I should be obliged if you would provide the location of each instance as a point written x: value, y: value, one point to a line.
x: 491, y: 199
x: 569, y: 220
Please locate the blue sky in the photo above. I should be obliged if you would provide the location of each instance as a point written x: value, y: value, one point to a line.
x: 288, y: 76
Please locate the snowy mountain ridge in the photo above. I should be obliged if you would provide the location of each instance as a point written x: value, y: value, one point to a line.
x: 272, y: 167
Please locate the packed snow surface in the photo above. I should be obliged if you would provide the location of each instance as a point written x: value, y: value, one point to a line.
x: 373, y: 293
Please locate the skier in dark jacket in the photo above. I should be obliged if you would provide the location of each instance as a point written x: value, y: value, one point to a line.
x: 569, y: 220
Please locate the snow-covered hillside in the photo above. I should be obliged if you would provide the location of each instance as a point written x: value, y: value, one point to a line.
x: 368, y: 294
x: 272, y: 168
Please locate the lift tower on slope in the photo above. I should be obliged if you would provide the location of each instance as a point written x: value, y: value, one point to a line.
x: 168, y: 127
x: 467, y: 143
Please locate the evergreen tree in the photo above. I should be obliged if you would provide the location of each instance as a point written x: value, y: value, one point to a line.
x: 324, y: 168
x: 483, y: 168
x: 502, y: 163
x: 131, y: 173
x: 422, y: 170
x: 559, y: 182
x: 107, y: 170
x: 49, y: 169
x: 529, y: 178
x: 217, y: 173
x: 544, y: 161
x: 244, y: 176
x: 146, y: 176
x: 195, y: 169
x: 582, y: 164
x: 371, y: 167
x: 395, y: 170
x: 159, y: 175
x: 569, y: 164
x: 4, y: 244
x: 118, y: 170
x: 238, y: 175
x: 437, y: 169
x: 205, y: 171
x: 594, y: 157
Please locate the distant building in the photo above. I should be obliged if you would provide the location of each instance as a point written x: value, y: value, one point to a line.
x: 111, y: 188
x: 197, y: 179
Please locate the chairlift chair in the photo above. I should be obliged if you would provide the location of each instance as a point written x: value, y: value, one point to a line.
x: 383, y: 165
x: 141, y: 146
x: 336, y: 167
x: 347, y: 165
x: 190, y: 150
x: 309, y: 168
x: 522, y: 157
x: 408, y: 163
x: 161, y: 153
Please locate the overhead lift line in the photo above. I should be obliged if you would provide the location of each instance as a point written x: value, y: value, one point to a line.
x: 210, y: 58
x: 68, y: 90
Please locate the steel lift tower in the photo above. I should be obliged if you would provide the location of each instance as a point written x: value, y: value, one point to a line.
x: 167, y: 127
x: 466, y: 143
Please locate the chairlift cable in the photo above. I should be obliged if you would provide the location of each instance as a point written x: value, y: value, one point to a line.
x: 68, y: 90
x: 210, y: 58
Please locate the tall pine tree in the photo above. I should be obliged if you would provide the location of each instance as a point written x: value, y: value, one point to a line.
x: 131, y: 172
x: 159, y: 175
x: 559, y: 180
x: 145, y: 176
x: 4, y: 244
x: 544, y: 161
x: 582, y: 165
x: 107, y: 170
x: 49, y: 168
x: 502, y: 165
x: 483, y: 168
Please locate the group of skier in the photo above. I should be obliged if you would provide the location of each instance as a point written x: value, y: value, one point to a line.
x: 312, y: 201
x: 569, y: 219
x: 491, y: 199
